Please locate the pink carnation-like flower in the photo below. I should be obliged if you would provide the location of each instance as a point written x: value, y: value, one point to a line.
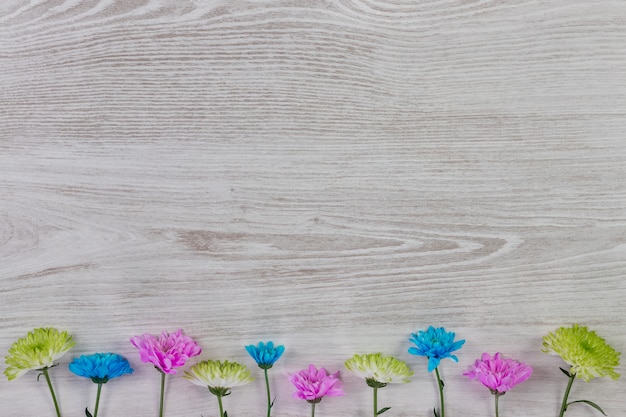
x: 167, y: 351
x: 498, y: 374
x: 313, y: 384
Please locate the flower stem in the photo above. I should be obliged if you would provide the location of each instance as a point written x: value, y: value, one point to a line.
x: 440, y: 385
x: 269, y: 397
x: 497, y: 397
x: 95, y: 410
x: 54, y: 398
x: 375, y: 401
x: 566, y: 395
x: 312, y: 409
x: 162, y: 393
x: 219, y: 401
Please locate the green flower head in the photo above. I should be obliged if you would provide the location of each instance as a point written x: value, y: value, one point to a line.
x: 38, y: 350
x: 379, y: 370
x: 219, y: 376
x: 587, y: 353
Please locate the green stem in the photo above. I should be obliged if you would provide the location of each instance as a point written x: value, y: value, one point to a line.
x: 440, y: 384
x: 497, y: 397
x: 375, y: 401
x: 269, y: 397
x: 312, y: 409
x: 54, y: 398
x: 95, y: 410
x: 567, y: 390
x: 219, y: 401
x: 162, y: 393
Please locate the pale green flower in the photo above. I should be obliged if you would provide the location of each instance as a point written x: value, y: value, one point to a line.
x: 379, y: 370
x: 587, y: 353
x: 219, y: 375
x: 37, y: 351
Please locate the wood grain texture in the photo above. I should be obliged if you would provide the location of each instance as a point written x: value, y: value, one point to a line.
x: 332, y: 175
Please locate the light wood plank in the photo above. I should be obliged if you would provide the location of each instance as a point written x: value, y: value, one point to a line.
x: 330, y: 175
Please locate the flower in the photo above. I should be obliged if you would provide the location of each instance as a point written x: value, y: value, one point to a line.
x: 435, y: 344
x: 265, y: 354
x: 219, y: 376
x: 100, y: 367
x: 37, y: 351
x: 167, y: 351
x: 587, y: 353
x: 379, y: 370
x: 498, y: 374
x: 313, y: 384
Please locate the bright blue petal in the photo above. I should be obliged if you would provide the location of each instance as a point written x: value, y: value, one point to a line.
x: 457, y: 345
x: 252, y: 352
x: 416, y: 351
x: 432, y: 363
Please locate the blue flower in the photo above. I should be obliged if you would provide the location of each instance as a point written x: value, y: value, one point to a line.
x: 100, y: 367
x: 265, y: 354
x: 435, y: 344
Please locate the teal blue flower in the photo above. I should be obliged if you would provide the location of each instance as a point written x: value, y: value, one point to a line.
x: 265, y: 354
x: 100, y: 367
x: 435, y: 344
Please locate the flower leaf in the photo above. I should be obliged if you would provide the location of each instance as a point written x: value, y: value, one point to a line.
x: 566, y: 372
x: 594, y: 405
x: 382, y: 410
x: 87, y: 413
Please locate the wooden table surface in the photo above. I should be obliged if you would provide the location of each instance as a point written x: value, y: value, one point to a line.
x: 330, y: 175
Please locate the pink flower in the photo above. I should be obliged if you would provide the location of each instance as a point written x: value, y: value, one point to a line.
x: 313, y: 384
x: 167, y: 351
x: 498, y: 374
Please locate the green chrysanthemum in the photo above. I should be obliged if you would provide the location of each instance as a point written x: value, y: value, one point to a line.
x: 587, y: 353
x: 379, y: 370
x: 37, y: 351
x: 219, y: 376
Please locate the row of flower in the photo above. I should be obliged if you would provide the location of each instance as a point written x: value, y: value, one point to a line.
x: 587, y: 354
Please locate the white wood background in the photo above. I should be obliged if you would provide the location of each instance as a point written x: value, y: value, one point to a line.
x: 331, y: 175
